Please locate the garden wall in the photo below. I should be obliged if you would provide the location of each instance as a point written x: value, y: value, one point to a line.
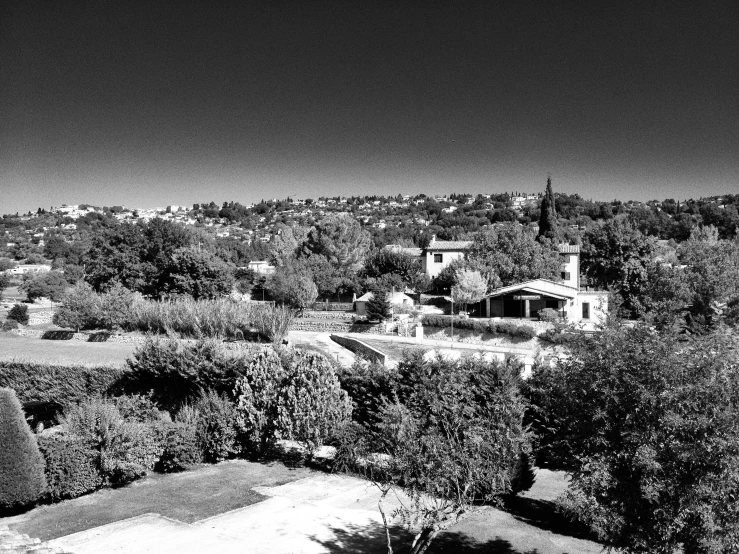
x: 360, y: 348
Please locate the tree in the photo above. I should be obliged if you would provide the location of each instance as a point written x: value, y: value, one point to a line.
x: 548, y: 217
x: 615, y: 256
x: 453, y: 437
x: 22, y: 480
x: 646, y: 425
x: 51, y: 285
x: 293, y: 286
x: 383, y: 262
x: 341, y: 240
x: 80, y: 308
x: 4, y: 283
x: 511, y: 254
x: 378, y: 305
x: 470, y: 287
x: 197, y: 273
x: 6, y: 264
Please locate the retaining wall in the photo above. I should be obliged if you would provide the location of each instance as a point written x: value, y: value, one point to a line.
x: 361, y: 349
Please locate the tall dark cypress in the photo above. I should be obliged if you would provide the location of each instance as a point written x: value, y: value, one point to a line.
x: 548, y: 217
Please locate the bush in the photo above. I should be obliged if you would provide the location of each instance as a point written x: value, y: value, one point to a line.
x: 72, y: 466
x: 216, y: 431
x: 549, y: 314
x: 369, y: 386
x: 294, y: 396
x: 180, y: 447
x: 127, y: 449
x: 19, y: 313
x: 58, y: 383
x: 22, y: 480
x: 140, y: 409
x: 9, y: 325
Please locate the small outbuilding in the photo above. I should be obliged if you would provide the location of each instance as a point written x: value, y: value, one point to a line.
x: 395, y: 299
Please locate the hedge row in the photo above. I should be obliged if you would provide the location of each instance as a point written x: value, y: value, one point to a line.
x: 482, y: 326
x: 65, y: 384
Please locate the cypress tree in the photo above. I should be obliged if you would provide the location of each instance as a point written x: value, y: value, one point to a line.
x: 548, y: 217
x: 22, y: 480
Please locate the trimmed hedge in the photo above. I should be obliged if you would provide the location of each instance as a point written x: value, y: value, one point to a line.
x: 22, y: 480
x: 72, y: 466
x: 65, y: 384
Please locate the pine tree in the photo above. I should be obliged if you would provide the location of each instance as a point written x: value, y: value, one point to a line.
x: 548, y: 218
x: 378, y: 307
x: 22, y: 480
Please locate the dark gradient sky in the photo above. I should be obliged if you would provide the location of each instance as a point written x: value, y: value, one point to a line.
x: 153, y: 103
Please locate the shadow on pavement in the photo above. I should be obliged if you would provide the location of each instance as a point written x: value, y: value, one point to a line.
x: 371, y: 540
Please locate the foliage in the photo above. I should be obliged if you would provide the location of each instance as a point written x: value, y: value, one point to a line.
x: 615, y: 255
x: 454, y: 437
x: 385, y: 262
x: 173, y: 372
x: 180, y: 447
x: 9, y: 325
x: 83, y: 308
x: 341, y: 240
x: 548, y: 218
x: 370, y: 386
x: 65, y: 384
x: 490, y: 326
x: 293, y: 285
x: 511, y: 254
x: 51, y: 284
x: 72, y: 465
x: 4, y: 283
x: 19, y: 313
x: 378, y: 305
x: 295, y: 395
x: 197, y: 273
x: 470, y: 287
x: 310, y: 403
x: 647, y: 425
x: 22, y: 480
x: 128, y: 450
x: 216, y: 431
x: 549, y: 314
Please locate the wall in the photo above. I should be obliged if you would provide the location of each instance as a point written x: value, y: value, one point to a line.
x: 360, y: 348
x: 432, y: 268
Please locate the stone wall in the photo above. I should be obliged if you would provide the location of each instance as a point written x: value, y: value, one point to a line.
x: 40, y: 318
x: 336, y: 327
x: 361, y: 349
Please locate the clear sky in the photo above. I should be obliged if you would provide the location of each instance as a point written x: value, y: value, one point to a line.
x: 150, y: 103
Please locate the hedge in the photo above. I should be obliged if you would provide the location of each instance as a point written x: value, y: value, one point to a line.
x: 65, y: 384
x: 72, y: 466
x: 482, y: 326
x: 22, y: 480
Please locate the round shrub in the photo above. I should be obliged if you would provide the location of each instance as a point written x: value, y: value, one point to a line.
x: 19, y: 313
x: 9, y: 325
x: 216, y: 429
x: 180, y: 447
x: 549, y: 314
x: 72, y: 466
x: 22, y: 480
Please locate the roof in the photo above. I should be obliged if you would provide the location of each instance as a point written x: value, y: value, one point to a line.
x: 403, y: 250
x: 540, y: 286
x: 449, y: 245
x: 569, y: 248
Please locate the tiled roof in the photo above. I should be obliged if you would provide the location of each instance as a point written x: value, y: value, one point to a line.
x: 569, y: 248
x: 403, y: 250
x: 539, y: 286
x: 449, y: 245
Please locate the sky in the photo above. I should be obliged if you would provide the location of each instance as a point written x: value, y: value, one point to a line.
x: 154, y: 103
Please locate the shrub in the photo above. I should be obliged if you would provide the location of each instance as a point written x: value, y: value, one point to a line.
x: 311, y: 404
x: 57, y: 383
x: 22, y: 480
x: 72, y: 466
x: 549, y: 314
x: 369, y: 386
x: 180, y: 447
x: 216, y: 429
x: 294, y: 396
x: 174, y: 373
x: 127, y: 449
x: 140, y: 409
x: 9, y: 325
x: 19, y: 313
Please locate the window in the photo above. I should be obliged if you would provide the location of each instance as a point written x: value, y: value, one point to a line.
x: 566, y: 275
x: 438, y: 258
x: 586, y: 310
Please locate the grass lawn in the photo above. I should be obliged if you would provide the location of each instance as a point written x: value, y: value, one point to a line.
x: 14, y: 347
x: 189, y: 496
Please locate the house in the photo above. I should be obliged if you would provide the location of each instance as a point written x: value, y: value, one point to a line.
x: 261, y: 267
x: 440, y: 253
x: 395, y: 299
x: 525, y: 300
x: 22, y: 269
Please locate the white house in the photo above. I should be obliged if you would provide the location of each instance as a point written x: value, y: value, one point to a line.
x: 261, y: 267
x: 440, y: 253
x: 395, y: 299
x: 525, y: 300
